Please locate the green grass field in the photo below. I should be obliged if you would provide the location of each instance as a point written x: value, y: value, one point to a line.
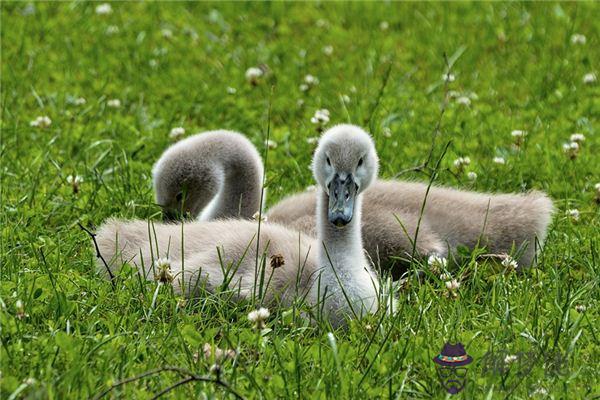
x: 66, y: 334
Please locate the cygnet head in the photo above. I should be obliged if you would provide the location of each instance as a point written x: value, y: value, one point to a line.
x: 345, y: 163
x: 183, y: 181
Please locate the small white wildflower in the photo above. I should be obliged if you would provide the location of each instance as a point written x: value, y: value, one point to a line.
x: 452, y: 285
x: 271, y: 144
x: 41, y: 122
x: 320, y: 119
x: 112, y: 29
x: 384, y: 25
x: 462, y: 162
x: 448, y: 77
x: 518, y: 133
x: 445, y: 277
x: 328, y: 50
x: 163, y: 270
x: 103, y: 9
x: 353, y: 89
x: 597, y: 187
x: 472, y: 176
x: 541, y: 391
x: 345, y: 98
x: 114, y: 103
x: 258, y: 317
x: 589, y: 78
x: 177, y: 132
x: 231, y: 90
x: 387, y: 132
x: 20, y: 309
x: 312, y: 139
x: 509, y: 359
x: 30, y: 381
x: 322, y: 23
x: 577, y: 137
x: 499, y: 160
x: 153, y: 63
x: 258, y: 215
x: 437, y: 263
x: 253, y: 75
x: 580, y: 308
x: 571, y: 149
x: 303, y: 87
x: 463, y: 100
x: 218, y: 353
x: 311, y: 80
x: 573, y: 214
x: 74, y: 179
x: 166, y: 33
x: 578, y: 38
x: 79, y: 101
x: 510, y: 263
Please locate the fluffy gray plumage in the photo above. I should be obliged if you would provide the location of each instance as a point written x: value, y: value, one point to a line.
x: 317, y: 268
x: 505, y: 223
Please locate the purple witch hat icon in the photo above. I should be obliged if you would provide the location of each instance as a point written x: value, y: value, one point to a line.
x: 451, y: 367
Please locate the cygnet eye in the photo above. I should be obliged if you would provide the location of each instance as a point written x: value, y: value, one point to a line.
x: 360, y: 162
x: 328, y: 162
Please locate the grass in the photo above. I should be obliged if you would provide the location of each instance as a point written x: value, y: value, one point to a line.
x: 74, y: 336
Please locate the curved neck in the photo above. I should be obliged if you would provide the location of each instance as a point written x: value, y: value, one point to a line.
x: 239, y: 193
x: 340, y: 248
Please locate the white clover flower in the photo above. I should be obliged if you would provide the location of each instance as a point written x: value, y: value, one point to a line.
x: 437, y: 262
x: 571, y: 149
x: 328, y: 50
x: 518, y: 133
x: 499, y: 160
x: 597, y: 187
x: 258, y: 215
x: 510, y: 263
x: 578, y: 38
x: 452, y: 285
x: 448, y: 77
x: 462, y: 162
x: 589, y: 78
x: 74, y: 179
x: 20, y: 309
x: 511, y: 358
x: 303, y: 87
x: 321, y: 118
x: 231, y: 90
x: 253, y: 75
x: 114, y: 103
x: 580, y: 308
x: 79, y: 101
x: 322, y: 23
x: 271, y: 144
x: 163, y: 270
x: 445, y: 277
x: 387, y: 132
x: 177, y: 132
x: 463, y: 100
x: 353, y: 89
x: 166, y: 33
x: 311, y: 80
x: 577, y: 138
x: 218, y: 353
x: 384, y: 25
x: 103, y: 9
x: 472, y: 175
x: 312, y: 140
x: 258, y: 317
x: 41, y: 122
x: 112, y: 30
x: 153, y: 63
x: 573, y: 214
x: 345, y: 98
